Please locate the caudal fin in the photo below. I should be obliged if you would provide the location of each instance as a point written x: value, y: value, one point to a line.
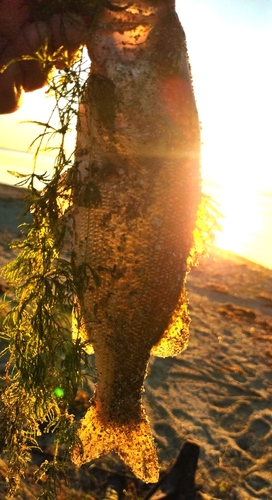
x: 132, y: 441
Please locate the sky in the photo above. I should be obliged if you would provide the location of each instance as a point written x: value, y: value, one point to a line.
x: 229, y: 44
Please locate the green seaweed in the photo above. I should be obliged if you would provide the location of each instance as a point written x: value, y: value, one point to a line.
x: 36, y: 328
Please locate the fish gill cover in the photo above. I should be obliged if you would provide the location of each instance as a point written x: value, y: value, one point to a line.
x: 133, y: 196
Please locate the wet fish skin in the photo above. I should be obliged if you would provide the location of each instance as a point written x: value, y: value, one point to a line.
x: 138, y: 146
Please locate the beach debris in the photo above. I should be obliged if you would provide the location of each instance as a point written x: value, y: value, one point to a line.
x: 135, y: 195
x: 178, y: 482
x: 217, y: 287
x: 266, y: 298
x: 114, y: 488
x: 231, y: 310
x: 260, y: 326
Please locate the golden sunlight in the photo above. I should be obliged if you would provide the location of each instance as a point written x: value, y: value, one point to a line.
x: 132, y: 37
x: 246, y: 222
x: 241, y: 222
x: 240, y: 183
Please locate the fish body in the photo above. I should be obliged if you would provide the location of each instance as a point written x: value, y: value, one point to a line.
x: 134, y: 212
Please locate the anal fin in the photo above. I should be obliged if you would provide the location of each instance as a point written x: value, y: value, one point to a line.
x: 176, y: 337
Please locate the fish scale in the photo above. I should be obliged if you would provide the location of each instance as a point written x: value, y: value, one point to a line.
x: 138, y: 146
x: 144, y: 268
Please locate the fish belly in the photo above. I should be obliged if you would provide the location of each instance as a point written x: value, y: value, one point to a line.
x: 135, y: 204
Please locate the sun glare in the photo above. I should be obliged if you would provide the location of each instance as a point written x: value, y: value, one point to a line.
x: 241, y: 222
x: 246, y: 222
x: 241, y: 185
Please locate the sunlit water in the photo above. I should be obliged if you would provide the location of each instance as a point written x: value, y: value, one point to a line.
x: 22, y: 163
x: 247, y: 222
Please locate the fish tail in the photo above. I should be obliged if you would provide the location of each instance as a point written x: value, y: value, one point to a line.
x: 132, y: 441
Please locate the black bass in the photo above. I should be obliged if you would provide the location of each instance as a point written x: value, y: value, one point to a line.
x: 135, y: 205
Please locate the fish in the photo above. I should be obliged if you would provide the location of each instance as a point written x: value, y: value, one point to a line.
x: 135, y: 199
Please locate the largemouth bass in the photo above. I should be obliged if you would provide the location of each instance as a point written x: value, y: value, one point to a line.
x: 135, y: 204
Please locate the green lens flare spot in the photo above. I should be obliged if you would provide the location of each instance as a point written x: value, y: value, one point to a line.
x: 59, y: 392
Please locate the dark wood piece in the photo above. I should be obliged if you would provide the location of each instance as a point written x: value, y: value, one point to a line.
x: 178, y: 483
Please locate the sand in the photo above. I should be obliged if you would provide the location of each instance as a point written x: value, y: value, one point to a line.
x: 217, y: 393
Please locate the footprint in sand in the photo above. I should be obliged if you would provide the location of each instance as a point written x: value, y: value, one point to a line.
x: 258, y: 484
x: 256, y: 438
x: 260, y: 427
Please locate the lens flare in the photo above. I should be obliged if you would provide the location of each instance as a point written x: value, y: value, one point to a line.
x: 59, y: 392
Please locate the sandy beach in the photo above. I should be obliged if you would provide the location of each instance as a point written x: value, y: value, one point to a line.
x: 217, y: 393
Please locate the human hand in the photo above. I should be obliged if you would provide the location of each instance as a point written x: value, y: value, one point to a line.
x: 21, y: 36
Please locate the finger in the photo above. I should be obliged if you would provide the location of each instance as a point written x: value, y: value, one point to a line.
x: 13, y: 15
x: 68, y: 31
x: 11, y: 89
x: 34, y: 37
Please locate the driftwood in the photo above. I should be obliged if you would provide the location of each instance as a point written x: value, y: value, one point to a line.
x: 177, y: 483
